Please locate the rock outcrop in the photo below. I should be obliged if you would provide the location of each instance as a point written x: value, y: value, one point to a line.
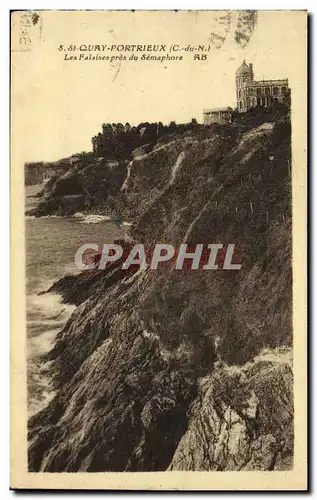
x: 89, y: 183
x: 242, y: 419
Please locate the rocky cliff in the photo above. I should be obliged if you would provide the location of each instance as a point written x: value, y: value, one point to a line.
x: 180, y: 369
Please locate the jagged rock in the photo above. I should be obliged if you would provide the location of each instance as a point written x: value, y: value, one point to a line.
x: 240, y: 422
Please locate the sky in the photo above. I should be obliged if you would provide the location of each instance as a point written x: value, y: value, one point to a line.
x: 58, y: 105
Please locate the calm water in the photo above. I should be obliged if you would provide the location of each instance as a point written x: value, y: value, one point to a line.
x: 51, y: 244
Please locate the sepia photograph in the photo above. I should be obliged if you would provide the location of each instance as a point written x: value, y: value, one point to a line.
x: 158, y: 166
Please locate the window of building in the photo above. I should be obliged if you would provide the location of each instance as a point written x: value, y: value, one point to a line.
x: 275, y: 90
x: 258, y: 91
x: 241, y: 104
x: 267, y: 91
x: 253, y: 102
x: 239, y: 94
x: 251, y: 91
x: 283, y: 89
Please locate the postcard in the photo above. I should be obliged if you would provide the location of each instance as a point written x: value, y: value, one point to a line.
x: 158, y: 196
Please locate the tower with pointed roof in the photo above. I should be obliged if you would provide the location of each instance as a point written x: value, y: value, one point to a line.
x: 244, y: 77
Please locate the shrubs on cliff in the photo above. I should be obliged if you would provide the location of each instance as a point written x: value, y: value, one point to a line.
x: 118, y: 140
x: 263, y: 114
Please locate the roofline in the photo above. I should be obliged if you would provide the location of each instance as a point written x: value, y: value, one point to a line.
x: 270, y: 80
x: 216, y: 109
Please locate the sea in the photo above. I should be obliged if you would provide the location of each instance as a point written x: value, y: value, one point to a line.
x: 51, y: 244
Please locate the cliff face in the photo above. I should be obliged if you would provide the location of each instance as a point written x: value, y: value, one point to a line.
x: 164, y: 368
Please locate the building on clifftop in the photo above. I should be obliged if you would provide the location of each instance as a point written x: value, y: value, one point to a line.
x: 217, y: 115
x: 251, y: 93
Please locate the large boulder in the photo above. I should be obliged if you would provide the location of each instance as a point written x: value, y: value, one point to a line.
x: 67, y: 184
